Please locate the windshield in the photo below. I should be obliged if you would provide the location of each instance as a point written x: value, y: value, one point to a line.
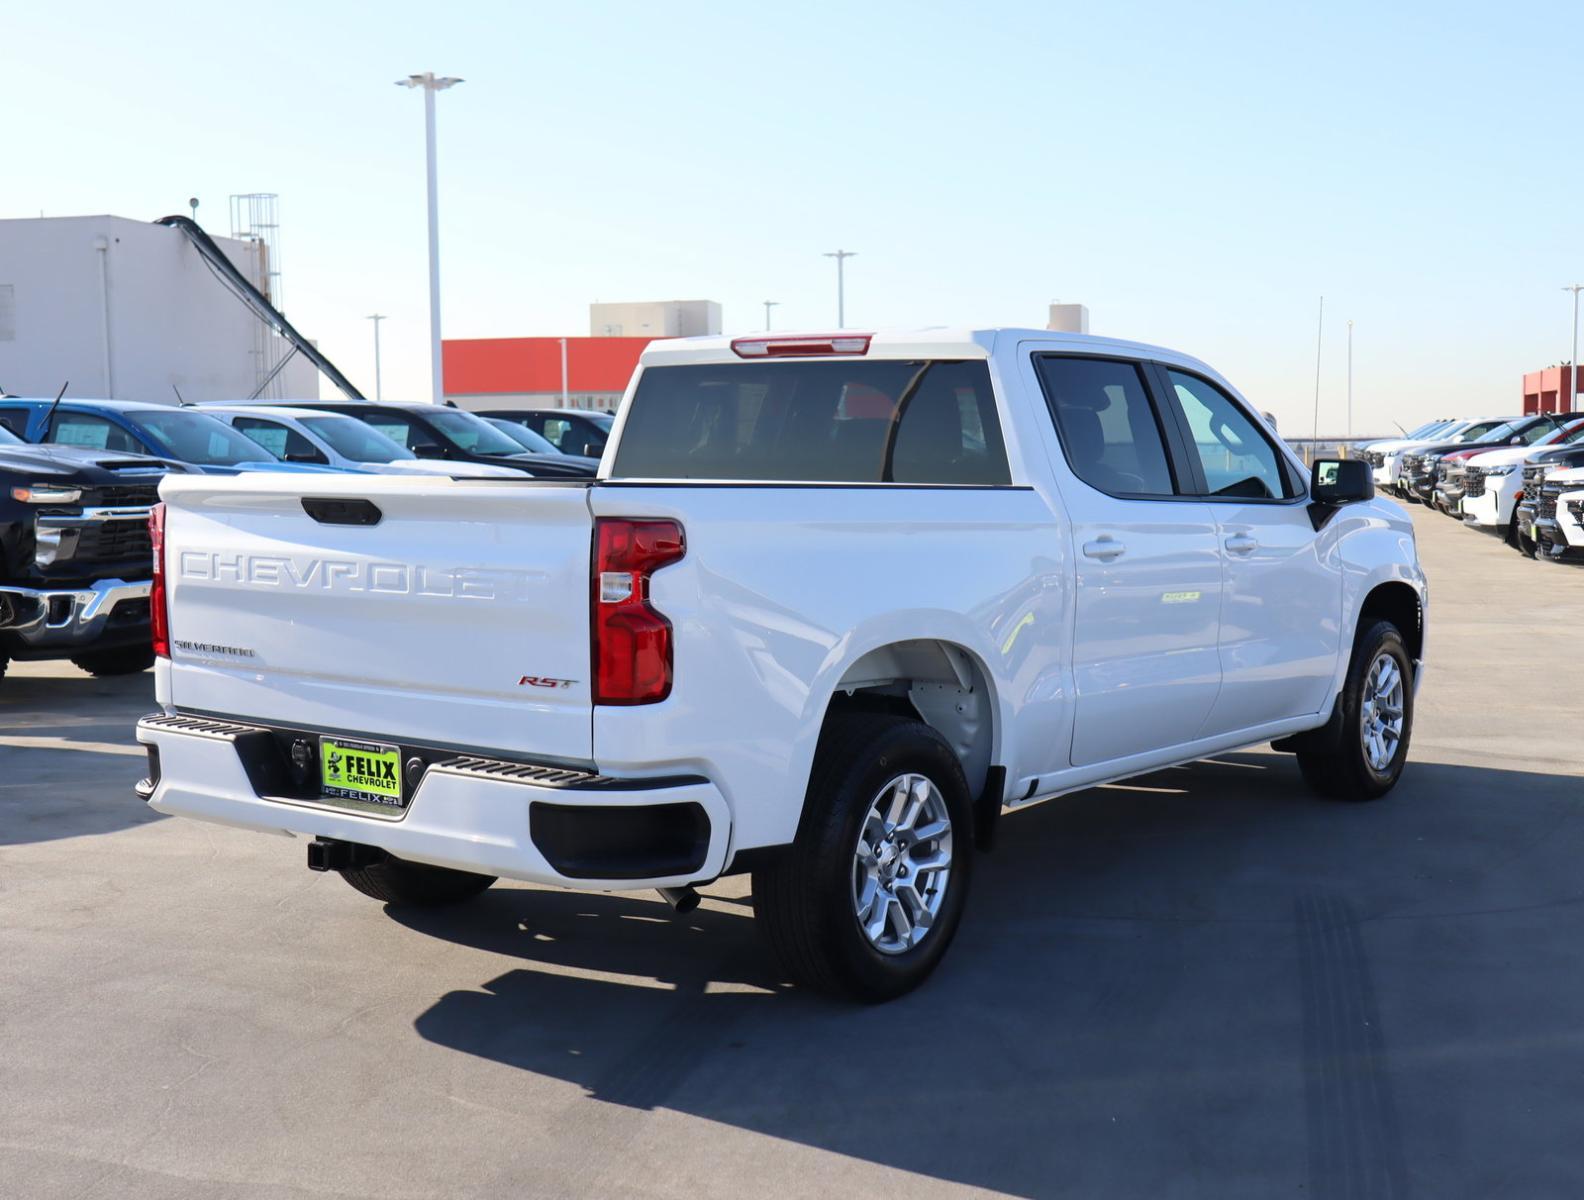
x: 523, y: 436
x: 1427, y: 430
x: 196, y: 437
x: 1478, y: 431
x: 351, y: 438
x: 472, y: 434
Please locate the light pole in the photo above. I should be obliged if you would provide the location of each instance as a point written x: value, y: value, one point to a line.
x: 376, y: 318
x: 432, y: 84
x: 1350, y: 377
x: 1575, y: 288
x: 1319, y: 331
x: 769, y: 304
x: 841, y: 256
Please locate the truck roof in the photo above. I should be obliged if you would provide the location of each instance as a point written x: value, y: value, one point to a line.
x: 931, y: 342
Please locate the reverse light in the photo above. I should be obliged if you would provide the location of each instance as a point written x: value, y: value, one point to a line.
x: 631, y: 641
x: 46, y: 493
x: 792, y: 347
x: 159, y: 615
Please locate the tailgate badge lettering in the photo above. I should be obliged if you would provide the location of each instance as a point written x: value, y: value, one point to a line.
x: 544, y: 681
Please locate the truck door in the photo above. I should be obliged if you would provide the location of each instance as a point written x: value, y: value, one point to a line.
x: 1148, y: 595
x: 1281, y: 603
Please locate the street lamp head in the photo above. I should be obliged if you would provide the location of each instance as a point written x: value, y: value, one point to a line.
x: 428, y: 80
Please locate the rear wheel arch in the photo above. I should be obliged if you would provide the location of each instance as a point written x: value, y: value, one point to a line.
x: 937, y: 681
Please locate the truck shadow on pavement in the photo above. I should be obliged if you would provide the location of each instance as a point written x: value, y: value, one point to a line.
x: 69, y: 756
x: 1206, y: 981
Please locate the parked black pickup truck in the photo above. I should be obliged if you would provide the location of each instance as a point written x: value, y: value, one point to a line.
x: 75, y: 560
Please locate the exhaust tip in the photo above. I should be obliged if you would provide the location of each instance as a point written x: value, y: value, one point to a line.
x: 681, y: 900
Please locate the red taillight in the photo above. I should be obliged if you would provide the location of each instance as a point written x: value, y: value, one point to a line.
x: 790, y: 347
x: 631, y: 641
x: 159, y: 618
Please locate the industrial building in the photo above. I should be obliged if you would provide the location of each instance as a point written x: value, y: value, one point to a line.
x: 576, y: 372
x: 655, y: 319
x: 128, y: 310
x: 1549, y: 391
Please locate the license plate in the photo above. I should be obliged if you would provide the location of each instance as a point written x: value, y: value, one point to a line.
x: 360, y: 773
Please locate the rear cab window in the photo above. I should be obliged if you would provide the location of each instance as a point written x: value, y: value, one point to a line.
x: 901, y: 421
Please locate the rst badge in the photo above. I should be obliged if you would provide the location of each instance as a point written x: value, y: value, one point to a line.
x: 544, y: 681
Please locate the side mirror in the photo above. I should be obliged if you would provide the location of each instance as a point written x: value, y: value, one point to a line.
x: 1337, y: 481
x: 428, y: 450
x: 1334, y: 482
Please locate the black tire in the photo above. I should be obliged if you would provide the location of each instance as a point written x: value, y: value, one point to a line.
x: 416, y: 885
x: 129, y: 660
x: 803, y: 900
x: 1344, y: 772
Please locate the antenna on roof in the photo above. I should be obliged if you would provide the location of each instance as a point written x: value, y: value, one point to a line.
x: 179, y: 399
x: 54, y: 404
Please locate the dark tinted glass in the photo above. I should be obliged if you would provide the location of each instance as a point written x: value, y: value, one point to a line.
x: 869, y: 421
x: 1107, y: 424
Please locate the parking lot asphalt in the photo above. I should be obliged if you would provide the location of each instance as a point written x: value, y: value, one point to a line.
x: 1203, y: 983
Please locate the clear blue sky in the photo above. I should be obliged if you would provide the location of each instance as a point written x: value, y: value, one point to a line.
x: 1198, y: 174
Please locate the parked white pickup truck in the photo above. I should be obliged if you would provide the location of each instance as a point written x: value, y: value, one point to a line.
x: 832, y: 604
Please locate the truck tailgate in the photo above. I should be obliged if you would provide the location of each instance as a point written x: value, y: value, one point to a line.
x: 459, y: 617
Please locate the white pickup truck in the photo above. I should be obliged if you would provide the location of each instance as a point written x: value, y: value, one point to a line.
x: 832, y: 604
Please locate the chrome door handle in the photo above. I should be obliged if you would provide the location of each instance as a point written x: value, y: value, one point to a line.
x: 1104, y: 548
x: 1241, y: 543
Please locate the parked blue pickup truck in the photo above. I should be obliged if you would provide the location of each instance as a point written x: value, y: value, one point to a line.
x: 176, y: 434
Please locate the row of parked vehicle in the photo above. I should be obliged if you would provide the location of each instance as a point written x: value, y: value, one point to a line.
x: 1521, y: 477
x: 78, y: 479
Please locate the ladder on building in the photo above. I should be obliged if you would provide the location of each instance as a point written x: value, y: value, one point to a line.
x: 241, y: 287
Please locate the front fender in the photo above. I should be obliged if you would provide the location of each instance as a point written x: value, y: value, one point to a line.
x: 1373, y: 544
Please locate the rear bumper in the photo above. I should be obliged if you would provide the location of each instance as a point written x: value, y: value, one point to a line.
x: 471, y: 814
x: 44, y: 620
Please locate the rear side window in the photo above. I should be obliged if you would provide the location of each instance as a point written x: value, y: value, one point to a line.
x: 875, y: 421
x: 1107, y: 424
x: 96, y: 433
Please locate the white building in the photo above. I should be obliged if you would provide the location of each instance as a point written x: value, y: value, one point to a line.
x: 655, y: 318
x: 1068, y: 318
x: 127, y: 310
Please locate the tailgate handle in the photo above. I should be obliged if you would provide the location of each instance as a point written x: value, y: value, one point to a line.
x: 332, y: 511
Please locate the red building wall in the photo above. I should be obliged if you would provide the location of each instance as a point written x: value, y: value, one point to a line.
x: 483, y: 366
x: 1547, y: 391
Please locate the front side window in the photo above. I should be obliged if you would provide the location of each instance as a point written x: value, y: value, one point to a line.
x: 399, y: 429
x: 355, y: 440
x: 471, y: 434
x: 930, y: 421
x: 280, y: 440
x: 96, y: 433
x: 555, y: 430
x: 1235, y: 456
x: 1107, y: 424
